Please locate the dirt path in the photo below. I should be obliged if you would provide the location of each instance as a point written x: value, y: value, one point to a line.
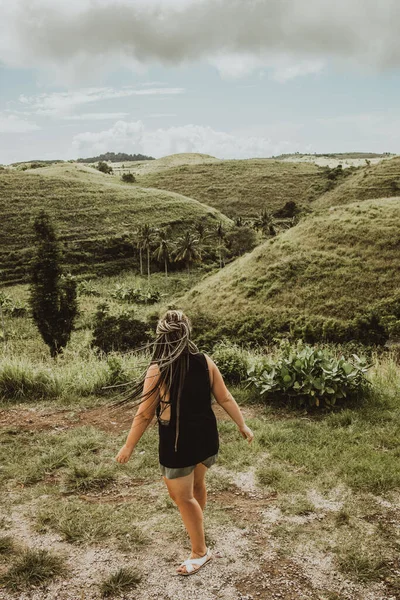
x: 39, y: 419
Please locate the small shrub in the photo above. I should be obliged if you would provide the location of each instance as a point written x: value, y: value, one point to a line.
x: 122, y: 581
x: 231, y: 361
x: 308, y: 376
x: 287, y: 211
x: 11, y: 308
x: 135, y: 295
x: 240, y: 239
x: 86, y: 288
x: 116, y: 373
x: 118, y: 332
x: 128, y: 178
x: 103, y: 167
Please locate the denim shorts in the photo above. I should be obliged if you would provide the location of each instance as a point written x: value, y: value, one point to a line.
x: 173, y: 473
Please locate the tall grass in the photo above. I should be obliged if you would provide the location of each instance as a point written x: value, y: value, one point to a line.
x: 66, y: 379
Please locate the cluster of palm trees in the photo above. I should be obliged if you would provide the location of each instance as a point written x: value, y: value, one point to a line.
x: 190, y: 247
x: 187, y: 248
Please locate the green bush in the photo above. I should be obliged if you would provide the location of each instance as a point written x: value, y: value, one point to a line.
x: 135, y: 295
x: 307, y: 376
x: 103, y: 167
x: 231, y: 361
x: 128, y: 177
x: 11, y: 308
x: 86, y: 288
x: 118, y: 332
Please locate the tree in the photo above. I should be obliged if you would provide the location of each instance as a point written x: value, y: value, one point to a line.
x: 103, y: 167
x: 265, y: 223
x: 202, y: 235
x: 163, y: 251
x: 187, y: 249
x: 221, y: 236
x: 147, y: 240
x: 241, y: 239
x: 53, y: 296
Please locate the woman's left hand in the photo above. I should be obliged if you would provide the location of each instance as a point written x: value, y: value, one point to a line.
x: 123, y: 455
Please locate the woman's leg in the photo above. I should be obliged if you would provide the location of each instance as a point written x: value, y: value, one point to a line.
x: 199, y: 485
x: 181, y: 492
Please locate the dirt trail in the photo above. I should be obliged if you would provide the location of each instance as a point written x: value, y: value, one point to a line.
x: 39, y: 419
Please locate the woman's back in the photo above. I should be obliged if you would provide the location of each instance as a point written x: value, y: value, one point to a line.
x: 197, y: 437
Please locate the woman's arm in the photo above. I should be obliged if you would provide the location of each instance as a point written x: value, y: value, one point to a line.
x: 143, y: 417
x: 226, y: 400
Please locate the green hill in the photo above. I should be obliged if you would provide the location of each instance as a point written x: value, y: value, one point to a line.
x: 381, y: 180
x: 323, y: 278
x: 93, y: 211
x: 162, y: 164
x: 242, y: 187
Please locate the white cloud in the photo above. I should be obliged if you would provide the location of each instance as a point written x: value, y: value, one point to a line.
x: 161, y: 115
x: 60, y: 103
x: 13, y: 124
x: 84, y: 36
x: 134, y: 137
x: 95, y: 116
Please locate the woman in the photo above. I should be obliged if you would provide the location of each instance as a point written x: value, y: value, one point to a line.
x: 177, y: 389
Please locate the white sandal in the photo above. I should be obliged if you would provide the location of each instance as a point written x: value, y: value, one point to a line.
x: 195, y: 561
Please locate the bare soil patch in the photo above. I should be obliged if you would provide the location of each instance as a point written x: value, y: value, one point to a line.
x: 38, y: 419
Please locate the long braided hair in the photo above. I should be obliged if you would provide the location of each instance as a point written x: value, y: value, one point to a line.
x: 171, y: 350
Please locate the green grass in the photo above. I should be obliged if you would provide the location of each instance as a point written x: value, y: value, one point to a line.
x: 74, y: 487
x: 25, y: 364
x: 377, y: 181
x: 243, y: 187
x: 92, y: 213
x: 361, y: 562
x: 123, y: 581
x: 7, y: 545
x: 79, y: 521
x: 33, y: 567
x: 337, y: 265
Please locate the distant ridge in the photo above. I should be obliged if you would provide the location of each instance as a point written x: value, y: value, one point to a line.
x: 112, y: 157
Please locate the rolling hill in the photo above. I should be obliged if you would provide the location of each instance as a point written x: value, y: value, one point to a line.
x: 93, y: 212
x: 242, y: 187
x: 381, y: 180
x: 326, y: 273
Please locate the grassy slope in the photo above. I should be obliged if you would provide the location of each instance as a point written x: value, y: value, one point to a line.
x: 139, y: 167
x: 242, y: 187
x: 87, y: 206
x: 331, y: 264
x: 381, y: 180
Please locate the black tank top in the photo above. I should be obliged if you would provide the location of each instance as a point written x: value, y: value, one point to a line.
x: 198, y: 433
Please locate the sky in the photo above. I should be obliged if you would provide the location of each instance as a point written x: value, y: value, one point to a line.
x: 230, y: 78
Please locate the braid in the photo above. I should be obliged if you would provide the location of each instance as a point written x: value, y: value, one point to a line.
x: 171, y: 350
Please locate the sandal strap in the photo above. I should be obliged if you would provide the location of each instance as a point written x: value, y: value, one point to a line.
x: 189, y: 562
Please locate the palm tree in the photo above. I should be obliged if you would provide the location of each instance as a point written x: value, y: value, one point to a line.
x: 202, y: 234
x: 187, y: 249
x: 163, y: 251
x: 147, y: 239
x: 265, y: 222
x: 220, y: 235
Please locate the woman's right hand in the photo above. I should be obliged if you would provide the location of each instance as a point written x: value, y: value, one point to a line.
x: 124, y: 454
x: 247, y: 433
